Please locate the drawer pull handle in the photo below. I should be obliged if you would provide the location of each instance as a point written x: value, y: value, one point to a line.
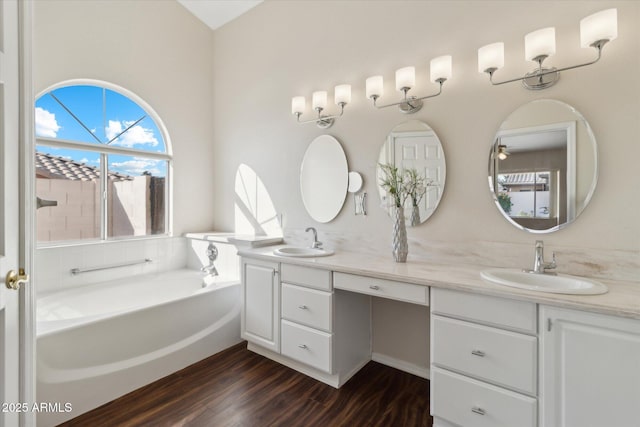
x: 478, y: 411
x: 302, y: 307
x: 478, y: 353
x: 374, y: 287
x: 303, y: 346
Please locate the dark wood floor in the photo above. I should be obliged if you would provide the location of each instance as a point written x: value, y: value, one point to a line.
x: 242, y: 389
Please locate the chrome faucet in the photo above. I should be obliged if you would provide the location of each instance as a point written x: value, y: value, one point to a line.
x: 539, y: 265
x: 315, y: 244
x: 212, y: 253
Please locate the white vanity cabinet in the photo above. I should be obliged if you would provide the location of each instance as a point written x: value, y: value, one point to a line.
x: 260, y: 318
x: 293, y: 315
x: 483, y: 360
x: 307, y: 304
x: 590, y: 369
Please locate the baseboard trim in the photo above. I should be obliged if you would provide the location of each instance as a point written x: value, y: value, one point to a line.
x: 402, y: 365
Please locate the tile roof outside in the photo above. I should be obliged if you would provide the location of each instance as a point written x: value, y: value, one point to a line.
x: 55, y: 167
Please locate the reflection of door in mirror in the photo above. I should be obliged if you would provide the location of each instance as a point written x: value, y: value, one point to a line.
x: 420, y: 151
x: 534, y: 174
x: 411, y: 147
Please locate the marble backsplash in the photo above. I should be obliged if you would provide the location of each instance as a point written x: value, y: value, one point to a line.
x: 587, y: 262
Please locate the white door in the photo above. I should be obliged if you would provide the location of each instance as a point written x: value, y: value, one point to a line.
x: 12, y: 370
x: 420, y: 151
x: 590, y: 369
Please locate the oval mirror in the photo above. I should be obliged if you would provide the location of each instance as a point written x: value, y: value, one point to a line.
x: 413, y: 147
x: 543, y: 166
x: 324, y: 178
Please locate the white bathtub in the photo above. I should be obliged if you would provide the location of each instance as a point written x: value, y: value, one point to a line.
x: 101, y: 341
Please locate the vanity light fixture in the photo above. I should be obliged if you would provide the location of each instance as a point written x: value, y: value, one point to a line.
x: 595, y: 31
x: 342, y: 97
x: 406, y: 80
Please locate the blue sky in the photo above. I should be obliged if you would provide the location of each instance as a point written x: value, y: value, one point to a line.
x: 105, y: 113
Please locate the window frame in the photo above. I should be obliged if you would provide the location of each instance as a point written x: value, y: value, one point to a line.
x: 105, y: 150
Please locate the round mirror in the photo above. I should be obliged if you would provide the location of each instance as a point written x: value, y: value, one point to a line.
x: 324, y: 178
x: 543, y: 166
x: 413, y: 148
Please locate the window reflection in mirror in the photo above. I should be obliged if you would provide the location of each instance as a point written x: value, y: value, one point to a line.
x: 543, y: 166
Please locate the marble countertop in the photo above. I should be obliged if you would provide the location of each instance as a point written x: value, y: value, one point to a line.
x: 235, y: 239
x: 623, y: 298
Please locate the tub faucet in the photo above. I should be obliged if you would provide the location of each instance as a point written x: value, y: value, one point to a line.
x: 539, y: 265
x: 212, y: 253
x: 315, y: 244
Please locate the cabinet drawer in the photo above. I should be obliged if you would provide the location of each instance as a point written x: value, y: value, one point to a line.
x: 505, y: 358
x: 401, y: 291
x: 505, y: 313
x: 307, y: 306
x: 305, y: 276
x: 468, y: 402
x: 306, y: 345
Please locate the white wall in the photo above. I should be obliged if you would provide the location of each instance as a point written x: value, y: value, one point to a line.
x: 285, y: 48
x: 159, y: 51
x: 225, y: 100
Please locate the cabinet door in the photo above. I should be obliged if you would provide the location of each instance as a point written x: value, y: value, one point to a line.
x: 590, y: 369
x: 261, y: 304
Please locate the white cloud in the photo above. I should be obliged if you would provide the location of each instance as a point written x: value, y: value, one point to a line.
x: 46, y: 123
x: 136, y: 166
x: 89, y: 161
x: 137, y: 135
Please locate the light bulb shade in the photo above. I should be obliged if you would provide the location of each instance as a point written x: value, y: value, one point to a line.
x: 540, y: 43
x: 440, y: 68
x: 375, y: 86
x: 319, y: 100
x: 602, y: 25
x: 342, y: 94
x: 405, y: 78
x: 491, y: 56
x: 298, y: 105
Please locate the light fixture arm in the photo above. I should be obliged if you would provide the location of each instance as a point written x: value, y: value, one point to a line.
x: 410, y: 99
x: 542, y: 72
x: 323, y: 122
x: 410, y: 104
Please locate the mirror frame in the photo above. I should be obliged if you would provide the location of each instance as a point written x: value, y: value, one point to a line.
x: 571, y: 128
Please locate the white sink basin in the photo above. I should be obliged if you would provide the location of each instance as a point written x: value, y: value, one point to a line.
x: 560, y: 284
x: 295, y: 251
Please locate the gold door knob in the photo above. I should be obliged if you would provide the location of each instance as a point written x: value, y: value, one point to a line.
x: 15, y: 280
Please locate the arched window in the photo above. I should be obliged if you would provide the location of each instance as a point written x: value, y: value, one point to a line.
x: 103, y: 163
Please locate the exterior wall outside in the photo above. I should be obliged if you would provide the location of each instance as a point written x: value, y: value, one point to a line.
x: 77, y: 215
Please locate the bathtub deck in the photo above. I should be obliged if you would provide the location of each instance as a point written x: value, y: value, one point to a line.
x: 239, y: 388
